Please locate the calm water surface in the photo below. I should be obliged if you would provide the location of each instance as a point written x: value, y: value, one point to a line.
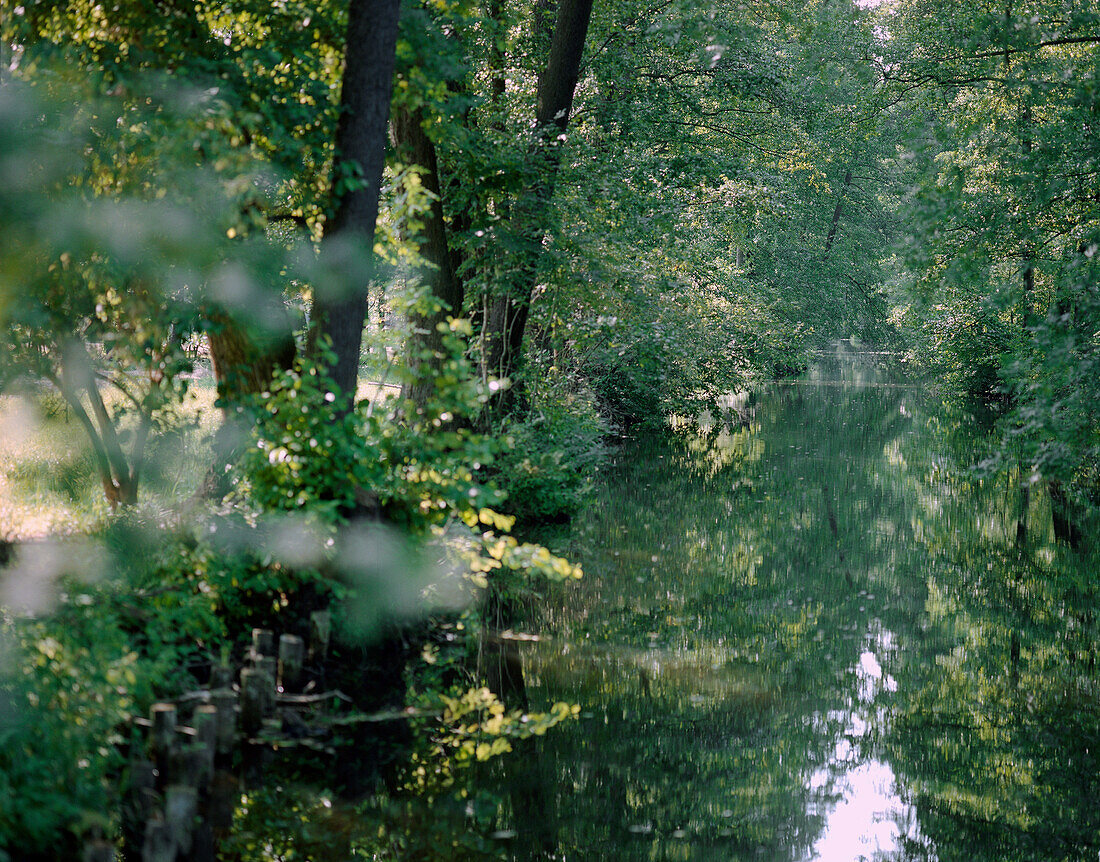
x: 802, y: 636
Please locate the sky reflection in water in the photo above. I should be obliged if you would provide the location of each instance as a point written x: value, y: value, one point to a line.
x: 783, y: 649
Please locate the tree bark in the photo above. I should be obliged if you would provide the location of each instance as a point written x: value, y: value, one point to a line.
x: 425, y: 349
x: 339, y: 314
x: 244, y: 362
x: 836, y: 214
x: 507, y: 318
x: 1023, y: 506
x: 1062, y: 515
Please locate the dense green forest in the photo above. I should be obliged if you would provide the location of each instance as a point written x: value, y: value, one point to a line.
x: 328, y: 328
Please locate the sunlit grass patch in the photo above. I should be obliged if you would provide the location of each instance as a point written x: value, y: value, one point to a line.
x: 48, y: 478
x: 49, y: 484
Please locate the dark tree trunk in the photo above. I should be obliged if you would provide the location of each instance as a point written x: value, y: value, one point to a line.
x: 426, y: 342
x: 1027, y: 145
x: 244, y: 361
x: 1024, y: 505
x: 836, y: 214
x: 507, y: 318
x: 360, y: 153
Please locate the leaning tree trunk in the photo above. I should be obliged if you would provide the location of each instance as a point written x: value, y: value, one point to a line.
x: 425, y: 348
x: 507, y: 319
x: 340, y: 314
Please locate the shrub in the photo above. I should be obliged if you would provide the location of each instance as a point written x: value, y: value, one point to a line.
x: 554, y: 449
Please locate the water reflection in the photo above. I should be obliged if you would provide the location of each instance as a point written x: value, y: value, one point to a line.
x: 786, y: 644
x: 870, y: 820
x: 864, y: 814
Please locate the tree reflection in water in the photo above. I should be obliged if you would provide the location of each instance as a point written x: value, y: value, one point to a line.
x: 805, y: 634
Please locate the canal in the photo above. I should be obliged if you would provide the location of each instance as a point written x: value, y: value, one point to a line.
x: 807, y: 632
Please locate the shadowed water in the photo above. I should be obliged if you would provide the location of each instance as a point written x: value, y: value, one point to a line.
x: 803, y: 635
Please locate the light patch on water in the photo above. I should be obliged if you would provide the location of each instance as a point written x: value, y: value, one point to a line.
x: 871, y: 678
x: 865, y: 818
x: 870, y: 821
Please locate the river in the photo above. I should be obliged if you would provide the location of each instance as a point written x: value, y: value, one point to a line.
x: 805, y: 633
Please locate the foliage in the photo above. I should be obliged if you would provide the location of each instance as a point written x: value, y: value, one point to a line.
x: 1003, y: 218
x: 552, y: 450
x: 737, y: 184
x: 100, y: 294
x: 306, y: 452
x: 110, y: 631
x: 59, y: 732
x: 679, y: 276
x: 1054, y: 389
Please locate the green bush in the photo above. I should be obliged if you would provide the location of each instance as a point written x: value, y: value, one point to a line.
x: 964, y: 347
x: 117, y: 627
x: 554, y: 449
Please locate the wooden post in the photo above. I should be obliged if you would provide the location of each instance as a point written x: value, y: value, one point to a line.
x: 206, y: 741
x: 163, y: 739
x: 221, y: 676
x: 263, y: 643
x: 180, y: 808
x: 269, y: 665
x: 320, y: 631
x: 158, y: 846
x: 225, y: 793
x: 292, y: 651
x: 138, y: 805
x: 225, y: 701
x: 257, y: 688
x: 257, y: 700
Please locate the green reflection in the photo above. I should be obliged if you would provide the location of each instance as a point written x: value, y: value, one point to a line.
x: 794, y: 635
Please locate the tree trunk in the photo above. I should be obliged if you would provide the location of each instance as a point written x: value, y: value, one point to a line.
x: 425, y: 349
x: 507, y: 318
x: 1021, y: 519
x: 244, y: 361
x: 1027, y: 145
x: 118, y: 474
x: 339, y: 314
x: 836, y: 214
x: 1061, y: 510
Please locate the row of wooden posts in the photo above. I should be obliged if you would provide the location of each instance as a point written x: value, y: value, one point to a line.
x: 192, y: 757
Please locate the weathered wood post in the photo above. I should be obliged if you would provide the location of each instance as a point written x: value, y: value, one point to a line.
x: 257, y: 703
x: 263, y: 643
x: 162, y: 740
x: 205, y: 722
x: 181, y: 806
x: 292, y: 653
x: 224, y: 701
x: 98, y: 850
x: 139, y: 804
x: 320, y: 632
x: 206, y: 741
x: 253, y: 691
x: 158, y: 846
x: 221, y: 676
x: 224, y: 787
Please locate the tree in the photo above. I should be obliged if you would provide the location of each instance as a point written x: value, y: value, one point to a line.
x: 245, y: 130
x: 510, y: 305
x: 357, y: 174
x: 100, y: 292
x: 1006, y: 221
